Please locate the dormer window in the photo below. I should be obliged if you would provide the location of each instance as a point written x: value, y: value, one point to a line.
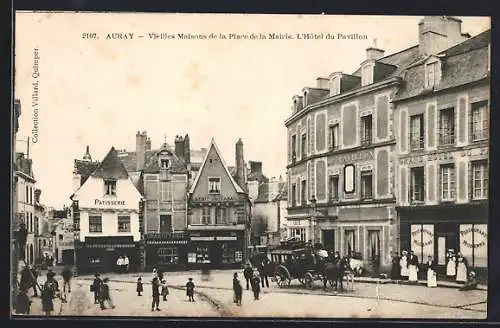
x: 214, y: 185
x: 304, y: 99
x: 110, y: 187
x: 164, y: 163
x: 432, y: 74
x: 367, y: 75
x: 335, y: 86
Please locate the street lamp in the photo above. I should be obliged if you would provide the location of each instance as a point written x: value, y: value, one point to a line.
x: 312, y: 218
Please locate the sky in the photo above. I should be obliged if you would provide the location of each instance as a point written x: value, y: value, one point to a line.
x: 100, y: 92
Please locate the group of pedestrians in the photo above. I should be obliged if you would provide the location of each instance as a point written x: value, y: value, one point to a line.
x: 123, y: 264
x: 406, y: 267
x: 102, y: 296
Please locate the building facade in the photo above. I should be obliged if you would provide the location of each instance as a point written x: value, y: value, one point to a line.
x: 442, y: 115
x: 25, y: 209
x: 64, y: 242
x: 105, y: 215
x: 340, y: 159
x: 219, y: 213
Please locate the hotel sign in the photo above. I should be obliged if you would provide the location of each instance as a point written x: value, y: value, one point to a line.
x: 443, y: 156
x: 109, y: 202
x: 220, y: 238
x: 349, y: 158
x: 214, y: 198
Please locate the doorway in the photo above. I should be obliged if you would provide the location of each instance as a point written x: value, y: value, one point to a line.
x: 329, y: 239
x: 165, y: 223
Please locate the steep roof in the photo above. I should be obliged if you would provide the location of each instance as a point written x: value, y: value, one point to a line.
x: 111, y: 167
x: 233, y: 181
x: 85, y: 169
x: 262, y: 192
x: 461, y: 64
x: 177, y: 164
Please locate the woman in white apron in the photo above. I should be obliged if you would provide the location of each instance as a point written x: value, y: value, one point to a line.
x: 451, y: 265
x: 461, y: 269
x: 431, y: 272
x: 403, y: 263
x: 413, y: 268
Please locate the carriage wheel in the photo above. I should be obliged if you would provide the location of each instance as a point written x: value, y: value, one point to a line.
x: 282, y: 276
x: 308, y: 280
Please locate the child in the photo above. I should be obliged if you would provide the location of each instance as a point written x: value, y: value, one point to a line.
x: 104, y: 295
x: 190, y: 290
x: 471, y: 283
x: 238, y: 289
x: 164, y: 289
x: 139, y: 286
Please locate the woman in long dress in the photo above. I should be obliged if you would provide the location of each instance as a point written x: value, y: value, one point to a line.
x: 403, y: 263
x: 461, y: 269
x: 451, y: 265
x: 431, y: 272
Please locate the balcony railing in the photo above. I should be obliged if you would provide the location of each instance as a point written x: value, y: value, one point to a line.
x: 480, y: 134
x: 366, y: 140
x: 446, y: 139
x: 417, y: 143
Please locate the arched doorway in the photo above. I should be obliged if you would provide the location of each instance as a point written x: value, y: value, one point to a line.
x: 31, y: 254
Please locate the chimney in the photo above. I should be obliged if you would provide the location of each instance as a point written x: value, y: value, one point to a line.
x: 187, y: 150
x: 179, y: 146
x: 86, y: 156
x: 140, y: 148
x: 38, y: 192
x: 374, y: 53
x: 148, y: 144
x: 438, y: 33
x: 240, y: 165
x: 256, y: 167
x: 322, y: 83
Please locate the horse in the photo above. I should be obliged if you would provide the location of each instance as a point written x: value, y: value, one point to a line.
x: 334, y: 273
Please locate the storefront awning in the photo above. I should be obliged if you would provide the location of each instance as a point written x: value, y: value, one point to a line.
x: 109, y: 246
x: 166, y: 242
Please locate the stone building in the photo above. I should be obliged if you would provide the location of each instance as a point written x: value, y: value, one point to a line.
x: 219, y: 212
x: 105, y: 214
x: 442, y: 120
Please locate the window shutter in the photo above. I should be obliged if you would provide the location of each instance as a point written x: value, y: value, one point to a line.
x: 440, y: 182
x: 471, y: 179
x: 330, y: 139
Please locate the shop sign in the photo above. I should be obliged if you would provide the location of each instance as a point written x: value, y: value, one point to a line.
x: 480, y: 237
x: 220, y: 238
x: 214, y: 198
x: 360, y: 156
x: 109, y: 202
x: 442, y: 156
x: 428, y: 237
x: 225, y: 238
x: 202, y: 238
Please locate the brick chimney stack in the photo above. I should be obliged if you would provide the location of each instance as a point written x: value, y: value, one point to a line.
x: 179, y: 146
x: 373, y: 52
x: 187, y: 149
x: 438, y: 33
x: 240, y: 165
x: 38, y: 193
x: 140, y: 148
x: 148, y: 144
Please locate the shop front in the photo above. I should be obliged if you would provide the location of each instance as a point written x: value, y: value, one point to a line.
x: 219, y: 250
x: 100, y: 254
x: 166, y: 251
x: 433, y: 230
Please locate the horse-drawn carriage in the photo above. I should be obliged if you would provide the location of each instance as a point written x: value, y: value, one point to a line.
x: 298, y: 261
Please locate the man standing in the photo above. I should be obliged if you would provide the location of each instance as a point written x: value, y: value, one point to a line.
x: 156, y: 294
x: 104, y: 294
x: 126, y: 263
x: 263, y: 270
x: 34, y: 274
x: 27, y: 280
x: 413, y: 268
x: 96, y: 287
x: 67, y: 275
x: 247, y: 273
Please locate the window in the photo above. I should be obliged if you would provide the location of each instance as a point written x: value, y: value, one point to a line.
x: 294, y: 195
x: 44, y: 243
x: 94, y: 260
x: 299, y: 233
x: 205, y: 215
x: 202, y: 254
x: 417, y: 131
x: 304, y: 99
x: 333, y: 186
x: 164, y: 163
x: 334, y: 137
x: 349, y: 242
x: 221, y: 215
x: 303, y: 146
x: 61, y: 237
x: 214, y: 185
x: 335, y: 86
x: 110, y: 187
x: 95, y: 223
x: 366, y: 184
x: 27, y: 195
x: 123, y: 223
x: 431, y: 73
x: 474, y: 244
x: 366, y: 130
x: 367, y: 75
x: 422, y: 241
x: 228, y: 254
x: 448, y: 182
x: 374, y: 242
x: 31, y: 222
x: 349, y: 178
x: 447, y: 126
x: 294, y: 148
x: 303, y: 192
x: 480, y: 180
x: 480, y: 121
x: 165, y: 188
x: 31, y: 196
x: 417, y: 184
x: 167, y: 255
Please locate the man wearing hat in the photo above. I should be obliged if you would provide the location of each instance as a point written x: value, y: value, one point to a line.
x: 49, y: 292
x: 96, y: 287
x: 104, y: 294
x: 471, y: 283
x: 247, y: 273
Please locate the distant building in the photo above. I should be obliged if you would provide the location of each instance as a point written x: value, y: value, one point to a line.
x: 219, y: 212
x: 105, y: 214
